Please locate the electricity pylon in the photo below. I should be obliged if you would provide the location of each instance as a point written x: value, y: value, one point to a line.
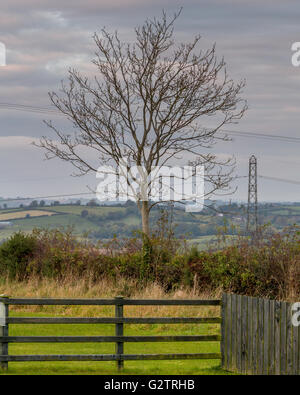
x: 252, y: 220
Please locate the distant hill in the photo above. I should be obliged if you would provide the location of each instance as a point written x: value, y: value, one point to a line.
x: 105, y: 222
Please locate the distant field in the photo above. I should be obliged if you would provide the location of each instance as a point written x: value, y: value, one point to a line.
x: 102, y: 222
x: 22, y: 214
x: 212, y: 241
x: 92, y: 210
x: 204, y: 241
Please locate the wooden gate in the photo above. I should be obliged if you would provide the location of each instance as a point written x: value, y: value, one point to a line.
x: 119, y: 339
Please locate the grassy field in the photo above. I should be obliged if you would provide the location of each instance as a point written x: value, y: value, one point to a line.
x: 200, y: 229
x: 70, y: 216
x: 79, y: 224
x: 80, y: 289
x: 22, y: 214
x: 204, y: 242
x: 131, y: 367
x: 75, y: 209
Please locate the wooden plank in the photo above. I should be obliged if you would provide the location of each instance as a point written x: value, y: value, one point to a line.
x: 109, y: 339
x: 271, y: 364
x: 119, y: 331
x: 260, y: 342
x: 266, y: 328
x: 250, y: 336
x: 277, y: 337
x: 108, y: 357
x: 229, y: 333
x: 254, y: 335
x: 289, y: 340
x: 239, y: 333
x: 244, y: 339
x: 154, y: 320
x: 223, y: 331
x: 154, y: 302
x: 112, y: 302
x: 234, y: 332
x: 283, y: 340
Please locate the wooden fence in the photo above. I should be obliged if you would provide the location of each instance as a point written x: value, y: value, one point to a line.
x: 119, y: 339
x: 258, y: 336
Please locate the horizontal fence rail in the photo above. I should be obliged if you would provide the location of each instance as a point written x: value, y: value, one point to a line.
x: 158, y: 320
x: 108, y: 339
x: 119, y: 320
x: 107, y: 357
x: 112, y: 302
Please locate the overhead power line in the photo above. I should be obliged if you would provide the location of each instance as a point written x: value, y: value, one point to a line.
x: 263, y: 136
x: 280, y: 179
x: 27, y: 108
x: 93, y: 193
x: 237, y: 133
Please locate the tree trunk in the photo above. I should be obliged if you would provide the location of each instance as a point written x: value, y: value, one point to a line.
x: 146, y: 240
x: 145, y: 218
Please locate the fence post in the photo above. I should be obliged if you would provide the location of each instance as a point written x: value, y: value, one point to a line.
x: 3, y: 328
x: 223, y: 330
x: 119, y: 332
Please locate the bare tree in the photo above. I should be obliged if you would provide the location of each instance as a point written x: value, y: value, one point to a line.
x: 145, y: 104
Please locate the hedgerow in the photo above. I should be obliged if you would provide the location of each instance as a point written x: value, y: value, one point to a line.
x: 266, y: 266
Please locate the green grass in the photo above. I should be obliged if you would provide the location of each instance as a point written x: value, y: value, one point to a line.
x: 212, y: 241
x: 196, y: 367
x: 70, y: 215
x: 80, y: 225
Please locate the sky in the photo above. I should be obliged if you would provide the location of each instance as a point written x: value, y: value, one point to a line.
x: 44, y: 38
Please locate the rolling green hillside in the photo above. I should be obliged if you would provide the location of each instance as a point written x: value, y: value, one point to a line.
x: 101, y: 222
x: 105, y: 222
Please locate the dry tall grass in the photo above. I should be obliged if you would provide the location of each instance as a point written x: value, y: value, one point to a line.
x: 47, y: 288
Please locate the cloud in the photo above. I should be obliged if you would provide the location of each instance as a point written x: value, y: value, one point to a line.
x: 44, y: 38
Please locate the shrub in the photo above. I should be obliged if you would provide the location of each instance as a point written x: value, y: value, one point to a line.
x: 16, y: 254
x: 268, y: 267
x: 84, y: 213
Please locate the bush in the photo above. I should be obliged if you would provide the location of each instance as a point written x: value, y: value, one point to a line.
x: 269, y: 267
x: 84, y: 213
x: 16, y: 254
